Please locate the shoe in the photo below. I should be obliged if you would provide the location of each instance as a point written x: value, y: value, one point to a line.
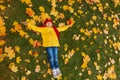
x: 58, y: 72
x: 54, y: 73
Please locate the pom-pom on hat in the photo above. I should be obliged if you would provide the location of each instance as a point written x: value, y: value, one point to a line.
x: 48, y: 20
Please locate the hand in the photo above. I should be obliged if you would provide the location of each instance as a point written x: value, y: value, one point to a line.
x: 24, y: 23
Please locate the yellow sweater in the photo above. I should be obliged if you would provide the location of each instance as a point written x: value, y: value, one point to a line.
x: 49, y: 37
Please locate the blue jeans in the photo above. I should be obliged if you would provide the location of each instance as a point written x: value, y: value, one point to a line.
x: 53, y: 57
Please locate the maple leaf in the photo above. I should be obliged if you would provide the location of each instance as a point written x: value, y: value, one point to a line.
x: 54, y: 12
x: 22, y: 33
x: 36, y: 43
x: 28, y: 72
x: 2, y: 42
x: 35, y: 54
x: 37, y: 69
x: 18, y: 60
x: 2, y: 21
x: 10, y: 52
x: 2, y: 31
x: 71, y: 2
x: 44, y: 16
x: 49, y: 71
x: 2, y: 7
x: 29, y: 12
x: 99, y: 77
x: 13, y: 67
x: 17, y: 49
x: 28, y: 2
x: 86, y: 59
x: 23, y: 78
x: 70, y: 21
x: 42, y: 9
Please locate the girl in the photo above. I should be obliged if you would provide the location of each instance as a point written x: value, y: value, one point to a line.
x: 50, y: 40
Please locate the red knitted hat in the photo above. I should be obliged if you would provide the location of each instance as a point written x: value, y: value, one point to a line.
x: 48, y: 20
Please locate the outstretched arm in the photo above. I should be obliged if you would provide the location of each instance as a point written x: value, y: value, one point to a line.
x: 70, y: 23
x: 32, y: 27
x: 63, y: 28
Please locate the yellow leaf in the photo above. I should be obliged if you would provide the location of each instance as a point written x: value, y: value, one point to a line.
x: 89, y: 72
x: 44, y: 62
x: 49, y: 71
x: 54, y: 12
x: 13, y: 67
x: 82, y: 30
x: 22, y: 33
x: 2, y: 42
x: 35, y: 54
x: 2, y: 56
x: 44, y: 16
x: 118, y: 45
x: 23, y: 78
x: 42, y: 9
x: 82, y: 38
x: 30, y: 52
x: 17, y: 49
x: 37, y: 69
x: 83, y: 54
x: 2, y: 7
x: 71, y: 2
x: 2, y: 23
x: 65, y: 7
x: 10, y: 52
x: 80, y: 11
x: 98, y: 57
x: 94, y: 18
x: 66, y: 60
x: 99, y: 77
x: 109, y: 18
x: 27, y: 60
x: 28, y: 2
x: 44, y: 75
x: 94, y: 8
x: 2, y: 1
x: 2, y: 31
x: 96, y: 65
x: 28, y: 72
x: 86, y: 59
x: 12, y: 30
x: 65, y: 47
x: 91, y: 22
x: 18, y: 60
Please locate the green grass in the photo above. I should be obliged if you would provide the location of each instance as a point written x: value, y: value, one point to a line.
x: 71, y: 70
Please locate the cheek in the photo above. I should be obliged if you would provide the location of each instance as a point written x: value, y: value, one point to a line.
x: 47, y: 24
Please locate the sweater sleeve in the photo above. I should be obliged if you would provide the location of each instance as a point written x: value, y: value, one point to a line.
x: 34, y: 28
x: 63, y: 28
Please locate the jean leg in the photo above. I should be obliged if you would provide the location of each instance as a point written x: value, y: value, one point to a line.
x: 50, y: 57
x: 55, y: 54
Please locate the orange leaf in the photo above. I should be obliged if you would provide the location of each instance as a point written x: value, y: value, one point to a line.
x: 29, y: 12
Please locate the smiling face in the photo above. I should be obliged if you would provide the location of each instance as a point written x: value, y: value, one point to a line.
x: 49, y: 24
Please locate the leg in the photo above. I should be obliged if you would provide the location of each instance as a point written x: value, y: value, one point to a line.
x: 50, y: 57
x: 55, y: 54
x: 51, y: 60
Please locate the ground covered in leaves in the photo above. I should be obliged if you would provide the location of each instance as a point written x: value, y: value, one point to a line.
x: 90, y: 49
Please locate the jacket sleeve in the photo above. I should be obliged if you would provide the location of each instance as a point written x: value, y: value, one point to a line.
x: 63, y: 28
x: 35, y: 28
